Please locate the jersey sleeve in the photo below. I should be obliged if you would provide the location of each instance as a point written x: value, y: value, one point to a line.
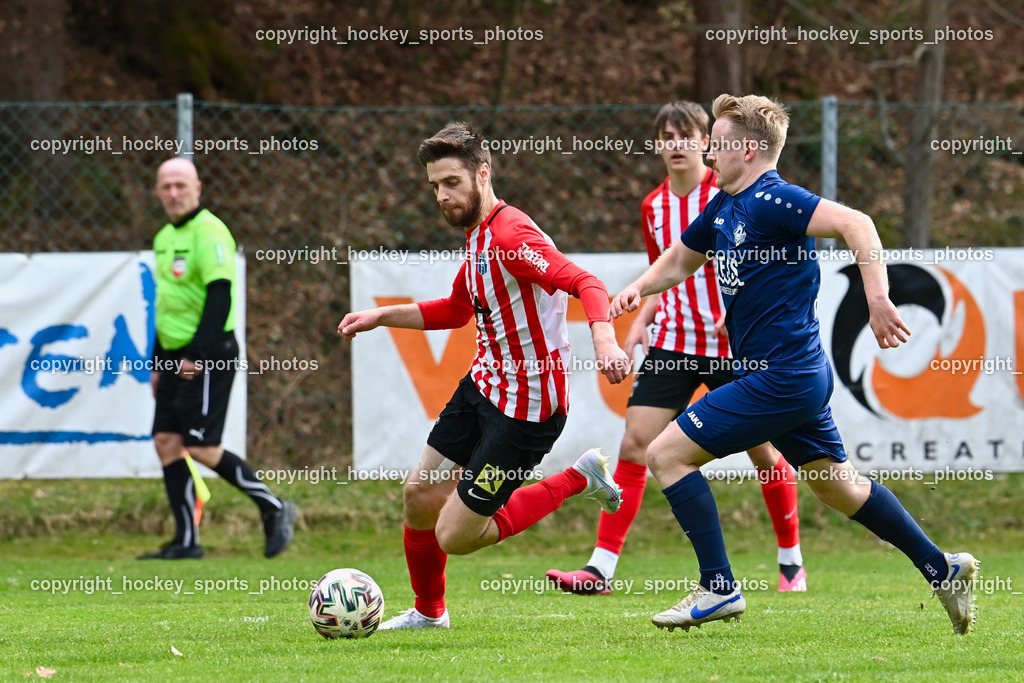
x: 452, y: 312
x: 215, y: 253
x: 785, y: 208
x: 528, y: 256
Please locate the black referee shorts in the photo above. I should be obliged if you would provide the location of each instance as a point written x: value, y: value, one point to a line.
x: 667, y: 379
x: 498, y: 452
x: 197, y: 408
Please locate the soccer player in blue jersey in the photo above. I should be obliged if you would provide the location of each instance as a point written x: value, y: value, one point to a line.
x: 760, y: 232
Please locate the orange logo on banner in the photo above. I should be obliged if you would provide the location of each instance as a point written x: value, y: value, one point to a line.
x: 435, y: 381
x: 938, y: 393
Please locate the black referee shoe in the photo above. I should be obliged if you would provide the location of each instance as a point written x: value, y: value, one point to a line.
x: 175, y: 551
x: 279, y: 526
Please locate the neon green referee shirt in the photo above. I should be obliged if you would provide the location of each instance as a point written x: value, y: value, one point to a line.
x: 188, y: 258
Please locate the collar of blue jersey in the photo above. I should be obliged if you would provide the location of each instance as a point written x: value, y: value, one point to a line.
x: 187, y: 217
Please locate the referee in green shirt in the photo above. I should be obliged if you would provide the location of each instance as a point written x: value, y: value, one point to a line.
x: 195, y: 359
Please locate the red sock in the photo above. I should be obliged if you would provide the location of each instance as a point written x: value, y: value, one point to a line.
x: 426, y: 563
x: 532, y: 503
x: 612, y: 529
x: 779, y: 491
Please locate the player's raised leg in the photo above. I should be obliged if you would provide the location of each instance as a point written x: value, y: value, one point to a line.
x: 588, y: 476
x: 675, y: 460
x: 778, y: 486
x: 453, y: 526
x: 464, y: 525
x: 279, y: 516
x: 643, y: 424
x: 951, y: 576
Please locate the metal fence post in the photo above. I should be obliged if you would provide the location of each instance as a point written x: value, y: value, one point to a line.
x: 829, y: 155
x: 185, y: 124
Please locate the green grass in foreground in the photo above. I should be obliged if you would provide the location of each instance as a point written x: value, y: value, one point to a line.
x: 237, y: 616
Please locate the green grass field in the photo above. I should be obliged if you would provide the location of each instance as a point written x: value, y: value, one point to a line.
x: 238, y: 616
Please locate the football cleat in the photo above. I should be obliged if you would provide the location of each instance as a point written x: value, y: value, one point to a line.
x: 702, y: 606
x: 412, y: 618
x: 279, y: 527
x: 175, y: 551
x: 798, y: 584
x: 956, y: 592
x: 586, y: 581
x: 600, y: 485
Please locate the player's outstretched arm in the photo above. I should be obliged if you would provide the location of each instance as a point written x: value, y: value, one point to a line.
x: 831, y: 219
x: 399, y: 315
x: 677, y: 263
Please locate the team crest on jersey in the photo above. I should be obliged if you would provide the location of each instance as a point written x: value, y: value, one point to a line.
x: 739, y: 235
x: 481, y: 263
x: 178, y: 268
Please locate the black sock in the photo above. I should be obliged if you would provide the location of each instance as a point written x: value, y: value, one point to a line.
x: 695, y: 509
x: 886, y: 517
x: 236, y: 471
x: 181, y: 493
x: 789, y: 571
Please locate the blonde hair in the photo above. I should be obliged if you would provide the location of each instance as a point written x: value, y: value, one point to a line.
x: 758, y: 118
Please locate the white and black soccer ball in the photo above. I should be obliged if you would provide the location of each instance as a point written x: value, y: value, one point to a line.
x: 346, y: 603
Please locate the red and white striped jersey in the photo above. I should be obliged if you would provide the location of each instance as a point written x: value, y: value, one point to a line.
x: 685, y: 319
x: 522, y: 338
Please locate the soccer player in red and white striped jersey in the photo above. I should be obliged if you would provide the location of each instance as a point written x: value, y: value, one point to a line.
x: 680, y: 336
x: 684, y: 316
x: 511, y: 406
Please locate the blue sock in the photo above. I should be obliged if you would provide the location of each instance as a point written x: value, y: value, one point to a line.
x: 694, y: 507
x: 884, y: 516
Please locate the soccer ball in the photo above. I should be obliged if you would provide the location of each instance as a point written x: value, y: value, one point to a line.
x: 346, y: 603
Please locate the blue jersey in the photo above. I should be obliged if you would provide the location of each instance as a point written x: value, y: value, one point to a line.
x: 766, y: 272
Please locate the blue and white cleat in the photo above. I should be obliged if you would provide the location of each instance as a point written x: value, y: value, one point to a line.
x: 600, y: 485
x: 956, y: 592
x: 702, y: 606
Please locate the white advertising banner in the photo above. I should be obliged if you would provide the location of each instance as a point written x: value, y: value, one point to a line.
x: 76, y: 336
x: 948, y: 401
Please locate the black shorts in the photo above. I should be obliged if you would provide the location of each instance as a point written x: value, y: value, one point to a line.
x: 667, y: 379
x: 498, y: 452
x: 197, y: 408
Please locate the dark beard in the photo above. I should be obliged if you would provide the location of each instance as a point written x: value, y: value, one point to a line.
x: 471, y: 216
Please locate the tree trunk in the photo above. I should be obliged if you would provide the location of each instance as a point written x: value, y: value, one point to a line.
x: 718, y: 67
x: 919, y: 162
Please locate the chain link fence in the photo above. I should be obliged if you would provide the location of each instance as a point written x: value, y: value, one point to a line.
x: 79, y: 177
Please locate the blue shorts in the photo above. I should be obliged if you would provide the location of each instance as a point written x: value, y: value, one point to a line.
x: 789, y: 408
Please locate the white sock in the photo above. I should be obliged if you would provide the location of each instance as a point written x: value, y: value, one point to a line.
x: 605, y: 561
x: 791, y: 555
